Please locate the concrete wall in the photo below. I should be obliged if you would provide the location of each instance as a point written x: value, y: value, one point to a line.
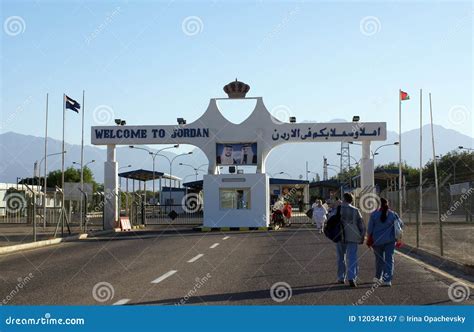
x: 256, y: 216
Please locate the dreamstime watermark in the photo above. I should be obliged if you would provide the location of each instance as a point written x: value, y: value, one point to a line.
x: 103, y: 114
x: 12, y: 116
x: 280, y: 114
x: 199, y: 282
x: 458, y: 292
x: 22, y: 282
x: 14, y: 25
x: 103, y: 291
x: 369, y: 292
x: 191, y: 203
x: 15, y: 202
x: 109, y: 18
x: 279, y: 27
x: 458, y: 114
x: 457, y: 204
x: 47, y: 319
x: 281, y: 292
x: 370, y: 25
x: 192, y: 25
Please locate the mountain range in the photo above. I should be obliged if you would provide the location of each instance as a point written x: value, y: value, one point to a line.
x: 19, y: 152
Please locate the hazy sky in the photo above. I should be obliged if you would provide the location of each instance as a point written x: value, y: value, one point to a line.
x: 150, y: 62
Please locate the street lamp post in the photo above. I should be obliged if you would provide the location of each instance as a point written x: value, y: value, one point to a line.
x: 375, y: 153
x: 153, y: 156
x: 196, y: 169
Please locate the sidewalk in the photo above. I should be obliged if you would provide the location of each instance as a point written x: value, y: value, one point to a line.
x: 12, y: 234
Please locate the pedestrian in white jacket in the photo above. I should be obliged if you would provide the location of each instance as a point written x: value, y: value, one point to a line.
x: 319, y: 215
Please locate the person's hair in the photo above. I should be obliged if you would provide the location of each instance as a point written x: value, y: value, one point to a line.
x: 348, y: 197
x: 383, y: 208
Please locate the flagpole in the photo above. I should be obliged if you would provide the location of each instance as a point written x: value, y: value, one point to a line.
x: 45, y: 164
x: 400, y: 203
x: 421, y: 157
x: 436, y: 181
x: 62, y: 169
x: 82, y: 163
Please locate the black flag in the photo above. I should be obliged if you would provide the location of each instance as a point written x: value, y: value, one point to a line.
x: 72, y: 104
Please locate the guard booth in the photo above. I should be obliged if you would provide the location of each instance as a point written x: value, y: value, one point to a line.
x: 234, y: 199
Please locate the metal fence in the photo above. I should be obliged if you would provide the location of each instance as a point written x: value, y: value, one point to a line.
x: 451, y: 235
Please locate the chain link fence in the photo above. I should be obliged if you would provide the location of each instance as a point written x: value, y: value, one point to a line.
x: 451, y: 234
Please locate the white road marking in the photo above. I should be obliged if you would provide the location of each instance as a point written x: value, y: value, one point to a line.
x: 195, y: 258
x: 121, y: 302
x: 214, y: 245
x: 164, y: 276
x: 225, y: 238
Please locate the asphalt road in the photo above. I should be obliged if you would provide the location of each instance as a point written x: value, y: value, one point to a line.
x: 171, y: 266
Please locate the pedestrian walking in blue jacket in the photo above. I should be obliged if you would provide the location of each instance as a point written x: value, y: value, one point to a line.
x: 381, y: 237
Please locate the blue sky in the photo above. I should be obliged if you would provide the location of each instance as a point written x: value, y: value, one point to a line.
x: 137, y: 60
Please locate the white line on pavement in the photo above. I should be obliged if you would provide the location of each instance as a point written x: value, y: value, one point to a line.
x: 214, y: 245
x: 164, y: 276
x: 225, y: 238
x: 121, y: 302
x: 195, y: 258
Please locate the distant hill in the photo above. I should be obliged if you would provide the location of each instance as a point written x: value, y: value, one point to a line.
x: 19, y: 152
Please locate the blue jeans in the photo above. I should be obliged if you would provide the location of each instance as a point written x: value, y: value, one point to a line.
x: 384, y: 261
x: 347, y: 251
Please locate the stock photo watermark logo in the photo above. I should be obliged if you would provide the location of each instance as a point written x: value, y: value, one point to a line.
x: 103, y: 291
x: 370, y: 25
x: 22, y: 282
x: 281, y: 292
x: 109, y: 18
x: 369, y: 201
x: 279, y: 27
x: 199, y: 282
x: 369, y: 293
x: 14, y: 25
x: 192, y: 25
x: 191, y: 203
x: 458, y: 114
x: 15, y: 202
x: 280, y: 114
x: 457, y: 204
x: 458, y: 292
x: 103, y: 114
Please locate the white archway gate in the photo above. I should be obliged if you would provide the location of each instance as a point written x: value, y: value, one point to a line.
x: 211, y: 132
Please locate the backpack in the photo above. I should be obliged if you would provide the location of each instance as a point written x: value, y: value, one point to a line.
x: 398, y: 228
x: 334, y: 229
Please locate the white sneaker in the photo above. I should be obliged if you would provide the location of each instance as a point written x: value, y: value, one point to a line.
x: 387, y: 284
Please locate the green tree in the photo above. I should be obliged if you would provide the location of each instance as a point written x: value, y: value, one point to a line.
x: 71, y: 174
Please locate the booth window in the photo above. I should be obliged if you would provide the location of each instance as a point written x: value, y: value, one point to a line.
x: 235, y: 198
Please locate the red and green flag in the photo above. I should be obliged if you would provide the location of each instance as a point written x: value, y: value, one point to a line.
x: 404, y: 95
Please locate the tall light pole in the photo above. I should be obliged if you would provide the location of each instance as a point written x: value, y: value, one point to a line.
x: 153, y: 156
x: 375, y: 153
x: 171, y: 165
x: 196, y: 169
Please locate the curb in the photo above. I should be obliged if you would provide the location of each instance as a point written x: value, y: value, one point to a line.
x: 441, y: 263
x: 50, y: 242
x: 231, y: 229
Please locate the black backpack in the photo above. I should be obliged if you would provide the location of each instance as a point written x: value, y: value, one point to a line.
x: 334, y: 229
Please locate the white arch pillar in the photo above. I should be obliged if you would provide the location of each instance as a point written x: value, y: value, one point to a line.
x: 110, y: 188
x: 366, y: 168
